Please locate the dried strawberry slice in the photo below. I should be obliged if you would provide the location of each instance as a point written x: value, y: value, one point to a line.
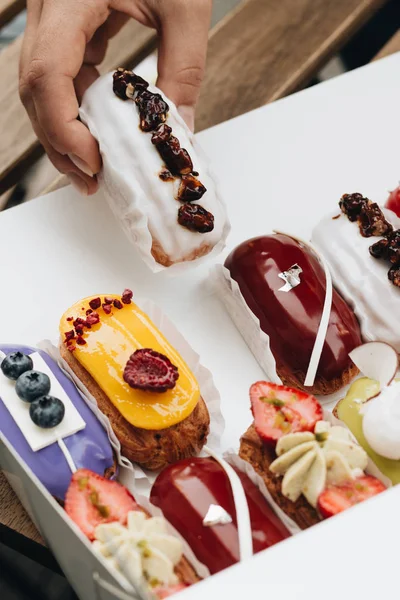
x: 151, y: 371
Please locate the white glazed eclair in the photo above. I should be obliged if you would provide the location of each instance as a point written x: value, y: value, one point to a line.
x: 358, y: 273
x: 171, y: 210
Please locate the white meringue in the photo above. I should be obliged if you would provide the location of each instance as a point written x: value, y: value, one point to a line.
x: 381, y: 422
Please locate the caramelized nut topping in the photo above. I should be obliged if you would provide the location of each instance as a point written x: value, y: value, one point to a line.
x: 195, y: 218
x: 352, y: 204
x: 152, y: 109
x: 153, y: 113
x: 372, y: 221
x: 122, y: 79
x: 393, y: 251
x: 190, y: 189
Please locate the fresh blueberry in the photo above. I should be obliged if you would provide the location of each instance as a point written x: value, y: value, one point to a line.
x: 47, y: 412
x: 16, y: 363
x: 31, y: 385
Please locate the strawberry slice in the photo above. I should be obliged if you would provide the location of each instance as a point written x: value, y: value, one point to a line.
x: 92, y: 500
x: 278, y: 410
x: 337, y: 498
x: 167, y: 591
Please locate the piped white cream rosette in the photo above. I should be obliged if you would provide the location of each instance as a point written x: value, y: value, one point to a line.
x: 204, y: 377
x: 143, y: 204
x: 361, y: 279
x: 146, y: 544
x: 228, y: 291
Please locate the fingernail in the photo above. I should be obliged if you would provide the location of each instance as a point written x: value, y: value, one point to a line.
x: 78, y: 183
x: 187, y: 114
x: 81, y: 164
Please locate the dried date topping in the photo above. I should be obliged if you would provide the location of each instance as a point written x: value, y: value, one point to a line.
x: 161, y: 134
x: 379, y: 249
x: 372, y: 221
x: 352, y: 204
x: 393, y: 250
x: 195, y: 218
x: 152, y: 110
x: 150, y: 371
x: 126, y: 84
x: 394, y: 275
x: 176, y: 158
x: 127, y: 296
x: 190, y: 189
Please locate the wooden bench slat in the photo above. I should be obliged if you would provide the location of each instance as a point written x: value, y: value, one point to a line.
x: 392, y: 46
x: 19, y: 147
x: 9, y: 9
x: 269, y: 49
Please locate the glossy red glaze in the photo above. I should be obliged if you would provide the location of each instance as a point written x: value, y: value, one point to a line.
x: 291, y: 319
x: 184, y: 492
x: 393, y: 202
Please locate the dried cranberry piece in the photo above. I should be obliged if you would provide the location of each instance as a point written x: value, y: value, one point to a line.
x: 117, y: 304
x: 352, y: 204
x: 176, y: 158
x: 79, y: 322
x: 95, y: 303
x: 69, y: 335
x: 379, y: 249
x: 372, y: 221
x: 107, y: 308
x: 126, y: 84
x: 151, y: 371
x: 394, y: 275
x: 195, y: 218
x: 190, y: 189
x: 127, y: 296
x: 93, y: 319
x: 152, y: 110
x: 108, y: 300
x: 80, y: 340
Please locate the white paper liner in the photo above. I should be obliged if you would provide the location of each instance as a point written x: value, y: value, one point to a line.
x: 228, y: 291
x: 245, y: 467
x: 208, y: 390
x: 127, y: 204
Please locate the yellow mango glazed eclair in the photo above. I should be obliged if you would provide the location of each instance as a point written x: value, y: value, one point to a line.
x: 138, y: 379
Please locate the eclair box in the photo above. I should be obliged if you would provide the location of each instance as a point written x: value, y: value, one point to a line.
x: 87, y: 573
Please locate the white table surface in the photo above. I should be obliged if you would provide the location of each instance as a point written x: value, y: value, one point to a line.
x: 282, y: 166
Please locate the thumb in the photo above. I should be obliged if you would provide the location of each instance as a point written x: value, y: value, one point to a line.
x: 182, y: 52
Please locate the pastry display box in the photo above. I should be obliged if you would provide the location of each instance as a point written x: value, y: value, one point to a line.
x: 282, y: 167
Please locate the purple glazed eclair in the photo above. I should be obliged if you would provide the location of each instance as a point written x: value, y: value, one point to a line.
x: 89, y: 447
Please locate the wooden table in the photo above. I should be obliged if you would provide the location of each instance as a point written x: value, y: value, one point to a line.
x: 262, y: 51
